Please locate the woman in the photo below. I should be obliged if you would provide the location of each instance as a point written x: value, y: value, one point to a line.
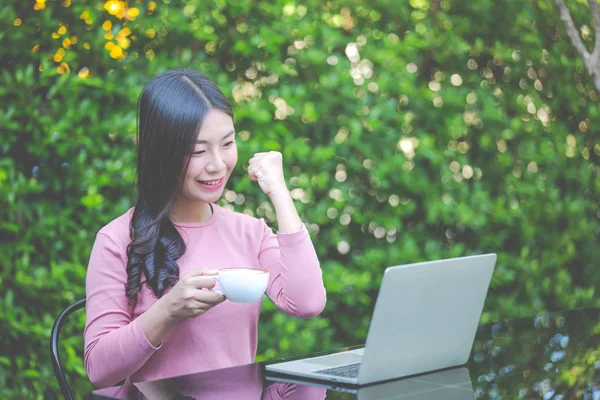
x: 150, y: 313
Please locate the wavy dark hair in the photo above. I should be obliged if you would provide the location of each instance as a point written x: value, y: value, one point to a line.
x: 171, y: 109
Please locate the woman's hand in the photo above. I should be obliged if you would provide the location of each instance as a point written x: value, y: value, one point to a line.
x: 187, y: 299
x: 267, y: 169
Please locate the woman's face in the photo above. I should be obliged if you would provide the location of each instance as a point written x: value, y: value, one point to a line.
x: 213, y: 158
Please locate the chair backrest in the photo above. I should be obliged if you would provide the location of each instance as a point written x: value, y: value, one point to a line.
x: 54, y: 336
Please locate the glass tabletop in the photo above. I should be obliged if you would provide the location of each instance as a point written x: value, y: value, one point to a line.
x: 549, y: 356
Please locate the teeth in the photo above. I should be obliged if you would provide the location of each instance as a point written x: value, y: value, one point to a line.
x: 211, y: 182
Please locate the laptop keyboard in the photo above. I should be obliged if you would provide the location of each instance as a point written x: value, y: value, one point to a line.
x: 347, y: 371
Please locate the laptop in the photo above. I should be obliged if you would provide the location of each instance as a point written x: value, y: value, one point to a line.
x: 449, y: 384
x: 425, y: 319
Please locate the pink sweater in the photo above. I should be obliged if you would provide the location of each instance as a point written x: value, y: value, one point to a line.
x: 115, y: 345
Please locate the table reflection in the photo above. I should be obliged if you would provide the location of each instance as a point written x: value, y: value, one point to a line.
x: 553, y: 355
x: 450, y: 384
x: 549, y: 356
x: 244, y: 382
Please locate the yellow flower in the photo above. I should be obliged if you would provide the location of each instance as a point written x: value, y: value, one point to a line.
x: 116, y: 52
x: 123, y: 42
x: 132, y: 13
x: 83, y: 72
x: 114, y: 7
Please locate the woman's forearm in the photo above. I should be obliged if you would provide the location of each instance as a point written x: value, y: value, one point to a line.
x: 156, y: 323
x: 288, y: 219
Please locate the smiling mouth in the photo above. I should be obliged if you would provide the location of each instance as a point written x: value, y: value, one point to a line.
x: 213, y: 182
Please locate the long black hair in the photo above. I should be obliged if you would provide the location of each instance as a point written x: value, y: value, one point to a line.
x: 171, y: 109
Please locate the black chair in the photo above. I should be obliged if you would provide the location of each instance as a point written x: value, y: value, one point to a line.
x: 54, y: 336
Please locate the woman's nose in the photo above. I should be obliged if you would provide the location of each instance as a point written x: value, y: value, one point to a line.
x: 216, y: 164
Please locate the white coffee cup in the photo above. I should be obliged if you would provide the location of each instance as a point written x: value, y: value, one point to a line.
x: 243, y: 285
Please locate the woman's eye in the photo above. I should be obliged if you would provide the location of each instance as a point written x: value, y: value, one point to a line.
x: 197, y: 153
x: 228, y: 144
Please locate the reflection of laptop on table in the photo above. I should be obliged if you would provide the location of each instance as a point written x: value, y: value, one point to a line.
x: 449, y: 384
x: 425, y: 319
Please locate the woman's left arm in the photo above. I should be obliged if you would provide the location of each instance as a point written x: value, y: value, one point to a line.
x: 296, y: 283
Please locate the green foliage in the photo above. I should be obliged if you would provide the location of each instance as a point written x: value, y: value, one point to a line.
x: 411, y: 130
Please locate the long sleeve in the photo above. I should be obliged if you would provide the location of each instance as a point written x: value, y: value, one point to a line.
x: 115, y: 345
x: 296, y: 283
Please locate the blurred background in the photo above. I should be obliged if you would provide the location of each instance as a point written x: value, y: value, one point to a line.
x: 411, y: 130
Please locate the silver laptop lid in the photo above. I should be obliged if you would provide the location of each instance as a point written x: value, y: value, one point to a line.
x: 435, y: 325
